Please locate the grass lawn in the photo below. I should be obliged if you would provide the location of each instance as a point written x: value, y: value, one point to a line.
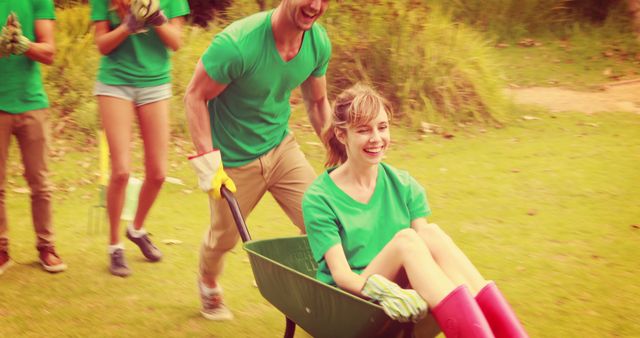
x: 545, y: 207
x: 581, y: 62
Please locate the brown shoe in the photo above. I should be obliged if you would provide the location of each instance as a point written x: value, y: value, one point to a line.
x: 5, y: 261
x: 50, y: 260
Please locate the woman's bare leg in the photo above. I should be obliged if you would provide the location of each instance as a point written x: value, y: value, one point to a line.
x: 408, y: 250
x: 154, y: 128
x: 455, y: 264
x: 117, y: 120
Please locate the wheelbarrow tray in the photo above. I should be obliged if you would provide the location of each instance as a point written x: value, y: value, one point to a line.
x: 285, y: 272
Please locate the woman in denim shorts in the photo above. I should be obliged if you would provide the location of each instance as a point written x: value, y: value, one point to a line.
x: 134, y: 38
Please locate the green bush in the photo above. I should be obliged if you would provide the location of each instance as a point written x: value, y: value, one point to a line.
x: 69, y: 3
x: 195, y: 42
x: 514, y: 19
x: 509, y: 18
x: 430, y: 67
x: 69, y: 81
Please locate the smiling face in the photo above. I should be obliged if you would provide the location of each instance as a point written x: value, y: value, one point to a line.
x: 303, y: 13
x: 366, y: 143
x: 359, y: 128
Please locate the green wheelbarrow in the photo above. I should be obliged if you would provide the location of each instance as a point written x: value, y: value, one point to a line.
x: 285, y: 271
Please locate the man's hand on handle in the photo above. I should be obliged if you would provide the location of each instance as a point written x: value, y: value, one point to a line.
x: 211, y: 174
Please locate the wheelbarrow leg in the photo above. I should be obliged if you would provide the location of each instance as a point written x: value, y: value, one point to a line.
x: 290, y: 330
x: 408, y: 331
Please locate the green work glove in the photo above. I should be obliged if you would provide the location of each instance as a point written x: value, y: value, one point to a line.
x: 142, y: 13
x: 5, y: 36
x: 157, y: 19
x: 144, y: 9
x: 12, y: 39
x: 400, y: 304
x: 134, y: 25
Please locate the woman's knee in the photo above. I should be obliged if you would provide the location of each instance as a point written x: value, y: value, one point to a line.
x: 432, y: 231
x: 156, y: 179
x: 407, y: 235
x: 120, y: 176
x: 155, y: 172
x: 408, y: 241
x: 435, y: 238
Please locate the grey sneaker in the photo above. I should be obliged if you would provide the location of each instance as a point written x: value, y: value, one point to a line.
x: 118, y: 266
x: 213, y: 307
x: 148, y: 249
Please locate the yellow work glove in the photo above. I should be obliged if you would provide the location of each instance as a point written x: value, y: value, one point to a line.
x: 211, y: 175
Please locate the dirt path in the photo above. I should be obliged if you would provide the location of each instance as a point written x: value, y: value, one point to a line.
x: 614, y: 97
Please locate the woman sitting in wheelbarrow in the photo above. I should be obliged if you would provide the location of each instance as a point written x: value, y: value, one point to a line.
x: 366, y: 222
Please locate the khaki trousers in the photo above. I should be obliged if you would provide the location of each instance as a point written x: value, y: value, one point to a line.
x: 32, y: 132
x: 284, y: 172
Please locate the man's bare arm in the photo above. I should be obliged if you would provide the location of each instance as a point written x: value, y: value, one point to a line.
x: 314, y: 94
x: 201, y: 89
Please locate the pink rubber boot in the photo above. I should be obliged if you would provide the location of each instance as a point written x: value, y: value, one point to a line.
x: 459, y: 316
x: 501, y: 318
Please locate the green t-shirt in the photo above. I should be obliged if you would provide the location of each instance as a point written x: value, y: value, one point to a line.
x: 141, y: 60
x: 332, y: 217
x: 250, y: 117
x: 21, y: 88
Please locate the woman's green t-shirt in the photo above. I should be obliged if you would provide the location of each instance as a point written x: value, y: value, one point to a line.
x: 332, y: 217
x: 141, y: 60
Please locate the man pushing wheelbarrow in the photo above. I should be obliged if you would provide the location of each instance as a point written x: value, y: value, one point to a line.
x: 237, y: 107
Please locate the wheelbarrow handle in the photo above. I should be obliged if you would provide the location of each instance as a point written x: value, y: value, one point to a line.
x: 235, y: 212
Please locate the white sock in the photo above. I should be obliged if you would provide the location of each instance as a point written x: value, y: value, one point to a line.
x: 114, y: 247
x: 136, y: 233
x: 210, y: 291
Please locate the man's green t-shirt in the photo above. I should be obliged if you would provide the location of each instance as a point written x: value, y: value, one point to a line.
x: 141, y: 60
x: 21, y: 87
x: 332, y: 217
x: 250, y: 117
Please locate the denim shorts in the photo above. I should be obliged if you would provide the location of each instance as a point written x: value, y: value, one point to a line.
x: 138, y: 95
